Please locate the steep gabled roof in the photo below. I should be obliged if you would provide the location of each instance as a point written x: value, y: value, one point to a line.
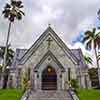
x: 34, y: 47
x: 78, y: 53
x: 17, y: 56
x: 49, y: 53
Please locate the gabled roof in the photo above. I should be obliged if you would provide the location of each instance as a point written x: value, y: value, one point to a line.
x: 17, y: 56
x: 78, y: 53
x: 49, y: 53
x: 33, y: 48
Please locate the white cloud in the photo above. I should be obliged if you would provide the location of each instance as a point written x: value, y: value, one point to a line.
x: 67, y: 17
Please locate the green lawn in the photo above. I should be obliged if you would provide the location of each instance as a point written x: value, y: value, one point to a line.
x: 89, y: 94
x: 10, y: 94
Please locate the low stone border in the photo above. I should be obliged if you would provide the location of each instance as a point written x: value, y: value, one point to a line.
x: 73, y: 95
x: 26, y: 95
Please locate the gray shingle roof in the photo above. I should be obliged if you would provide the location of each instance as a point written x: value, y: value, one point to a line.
x: 78, y: 53
x: 17, y: 56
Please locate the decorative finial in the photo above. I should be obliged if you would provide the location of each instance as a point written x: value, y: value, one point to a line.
x: 49, y: 24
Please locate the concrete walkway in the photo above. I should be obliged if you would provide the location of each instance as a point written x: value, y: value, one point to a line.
x: 49, y: 95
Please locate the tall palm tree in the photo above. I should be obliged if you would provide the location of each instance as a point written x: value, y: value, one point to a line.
x: 12, y: 11
x: 92, y: 41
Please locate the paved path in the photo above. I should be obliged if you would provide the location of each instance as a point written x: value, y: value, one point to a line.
x: 49, y: 95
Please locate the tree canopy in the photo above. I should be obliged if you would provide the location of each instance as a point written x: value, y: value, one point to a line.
x: 13, y: 10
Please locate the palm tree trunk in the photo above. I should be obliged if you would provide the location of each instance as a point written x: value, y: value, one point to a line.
x: 4, y: 83
x: 5, y: 54
x: 97, y: 63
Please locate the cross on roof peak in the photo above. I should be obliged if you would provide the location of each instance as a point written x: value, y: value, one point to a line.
x: 49, y: 40
x: 49, y: 24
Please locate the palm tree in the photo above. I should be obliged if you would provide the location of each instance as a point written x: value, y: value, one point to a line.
x: 9, y: 58
x: 98, y: 56
x: 92, y: 41
x: 87, y: 59
x: 12, y: 11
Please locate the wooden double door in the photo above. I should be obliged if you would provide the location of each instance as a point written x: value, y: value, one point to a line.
x: 49, y: 79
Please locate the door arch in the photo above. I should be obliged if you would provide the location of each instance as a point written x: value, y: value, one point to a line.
x: 49, y: 79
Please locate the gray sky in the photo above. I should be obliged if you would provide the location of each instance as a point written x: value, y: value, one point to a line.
x: 67, y: 17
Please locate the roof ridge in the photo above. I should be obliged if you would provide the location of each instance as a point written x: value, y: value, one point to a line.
x: 43, y: 36
x: 35, y: 42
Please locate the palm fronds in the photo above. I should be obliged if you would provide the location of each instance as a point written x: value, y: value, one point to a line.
x: 88, y: 60
x: 91, y: 37
x: 98, y: 57
x: 9, y: 57
x: 13, y: 10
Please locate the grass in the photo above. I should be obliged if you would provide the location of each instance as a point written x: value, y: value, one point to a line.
x: 15, y: 94
x: 90, y: 94
x: 10, y: 94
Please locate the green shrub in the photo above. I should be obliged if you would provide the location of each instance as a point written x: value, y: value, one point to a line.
x: 25, y: 82
x: 74, y: 84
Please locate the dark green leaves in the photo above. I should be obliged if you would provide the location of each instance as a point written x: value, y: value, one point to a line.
x: 19, y: 16
x: 10, y: 54
x: 13, y: 10
x: 91, y: 37
x: 88, y: 60
x: 13, y: 2
x: 19, y: 4
x: 7, y: 6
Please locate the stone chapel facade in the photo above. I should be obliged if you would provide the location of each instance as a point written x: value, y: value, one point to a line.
x: 51, y: 64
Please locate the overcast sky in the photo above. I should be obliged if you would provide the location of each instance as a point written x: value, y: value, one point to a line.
x: 68, y: 18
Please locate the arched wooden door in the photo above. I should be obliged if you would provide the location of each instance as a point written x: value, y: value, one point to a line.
x: 49, y: 79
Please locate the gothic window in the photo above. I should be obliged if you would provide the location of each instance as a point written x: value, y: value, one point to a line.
x: 19, y: 71
x: 0, y: 72
x: 19, y: 77
x: 69, y: 74
x: 86, y: 84
x: 29, y: 70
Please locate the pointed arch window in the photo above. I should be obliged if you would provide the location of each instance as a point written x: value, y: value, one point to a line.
x: 69, y: 74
